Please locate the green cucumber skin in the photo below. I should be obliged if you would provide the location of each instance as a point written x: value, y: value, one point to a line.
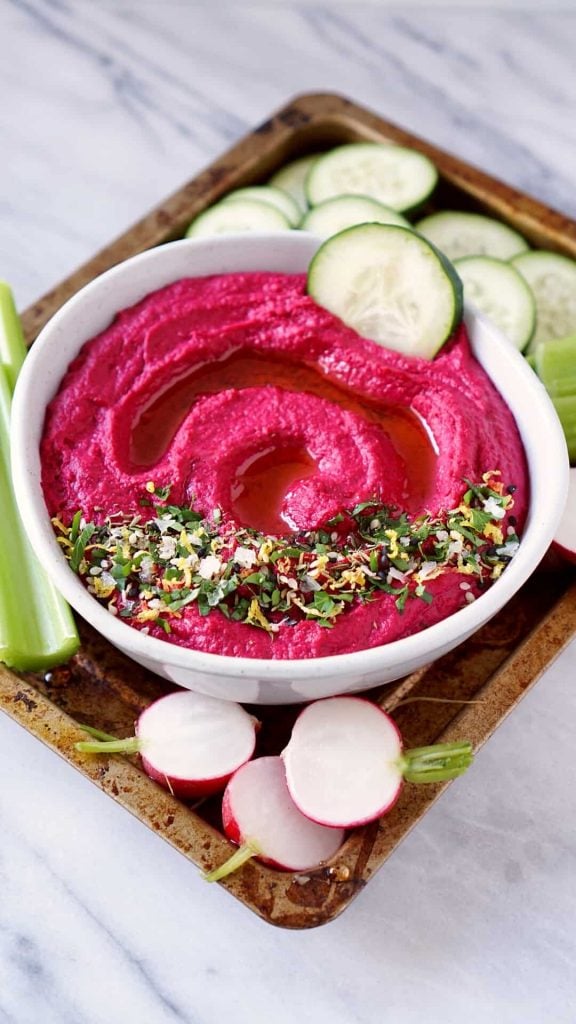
x: 454, y: 276
x: 445, y: 264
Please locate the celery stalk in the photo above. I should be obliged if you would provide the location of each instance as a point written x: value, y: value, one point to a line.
x: 37, y: 630
x: 565, y: 406
x: 12, y: 344
x: 555, y: 364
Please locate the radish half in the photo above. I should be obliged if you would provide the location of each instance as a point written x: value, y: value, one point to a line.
x: 189, y: 743
x: 345, y: 765
x: 259, y: 814
x: 565, y: 540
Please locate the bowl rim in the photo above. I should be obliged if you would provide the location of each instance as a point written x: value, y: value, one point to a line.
x: 443, y: 634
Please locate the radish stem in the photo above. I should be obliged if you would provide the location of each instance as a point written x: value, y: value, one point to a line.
x: 243, y: 854
x: 97, y: 734
x: 130, y: 745
x: 434, y: 700
x: 437, y: 763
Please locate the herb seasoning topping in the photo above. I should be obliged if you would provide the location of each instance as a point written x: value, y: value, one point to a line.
x: 149, y: 570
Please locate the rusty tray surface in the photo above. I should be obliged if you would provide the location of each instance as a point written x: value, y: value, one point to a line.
x: 494, y: 668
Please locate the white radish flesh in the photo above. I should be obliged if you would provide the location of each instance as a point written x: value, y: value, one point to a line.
x: 343, y: 762
x: 345, y: 765
x: 195, y: 741
x: 259, y: 814
x: 189, y: 743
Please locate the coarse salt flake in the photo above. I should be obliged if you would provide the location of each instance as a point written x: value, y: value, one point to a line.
x: 428, y: 569
x: 395, y: 574
x: 209, y: 567
x: 245, y: 557
x: 167, y: 548
x: 508, y: 549
x: 493, y: 508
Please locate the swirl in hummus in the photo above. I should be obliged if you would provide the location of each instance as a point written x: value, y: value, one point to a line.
x: 239, y: 394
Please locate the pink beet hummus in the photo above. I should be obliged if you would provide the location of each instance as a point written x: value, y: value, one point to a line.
x: 239, y: 392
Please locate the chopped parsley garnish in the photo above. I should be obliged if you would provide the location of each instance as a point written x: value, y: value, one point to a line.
x: 149, y: 570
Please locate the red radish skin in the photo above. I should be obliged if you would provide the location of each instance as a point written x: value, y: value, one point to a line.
x: 565, y: 540
x: 345, y: 765
x: 190, y: 744
x: 259, y: 815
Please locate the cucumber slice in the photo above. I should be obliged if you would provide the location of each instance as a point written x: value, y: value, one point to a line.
x: 390, y: 285
x: 552, y: 278
x: 292, y: 176
x: 335, y: 215
x: 501, y: 293
x: 460, y: 234
x: 273, y: 196
x: 398, y: 177
x: 555, y: 364
x: 237, y: 217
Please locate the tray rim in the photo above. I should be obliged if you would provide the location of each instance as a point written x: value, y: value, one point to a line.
x: 214, y: 180
x: 362, y: 855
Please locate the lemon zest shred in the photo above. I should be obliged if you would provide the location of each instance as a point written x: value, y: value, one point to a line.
x: 493, y: 533
x: 256, y: 616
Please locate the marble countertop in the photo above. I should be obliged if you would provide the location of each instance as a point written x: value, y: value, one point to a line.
x: 105, y: 109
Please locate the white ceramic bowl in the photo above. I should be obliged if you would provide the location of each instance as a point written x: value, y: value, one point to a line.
x: 261, y: 680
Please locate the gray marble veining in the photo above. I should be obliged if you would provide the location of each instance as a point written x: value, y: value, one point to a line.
x: 105, y: 109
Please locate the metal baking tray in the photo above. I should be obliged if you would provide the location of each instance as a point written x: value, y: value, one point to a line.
x: 495, y: 667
